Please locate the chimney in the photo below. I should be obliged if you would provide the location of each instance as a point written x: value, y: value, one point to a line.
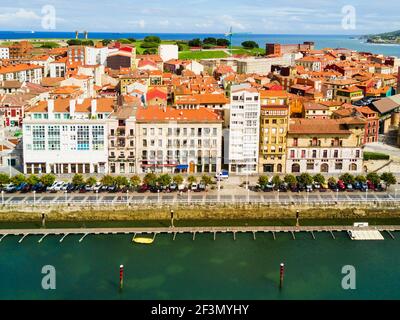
x: 93, y: 107
x: 72, y: 105
x: 50, y: 108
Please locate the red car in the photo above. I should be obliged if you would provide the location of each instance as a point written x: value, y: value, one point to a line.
x: 341, y: 185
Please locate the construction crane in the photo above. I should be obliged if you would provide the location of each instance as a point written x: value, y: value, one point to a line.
x: 230, y: 34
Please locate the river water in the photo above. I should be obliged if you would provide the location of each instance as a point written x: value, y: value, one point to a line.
x: 200, y: 269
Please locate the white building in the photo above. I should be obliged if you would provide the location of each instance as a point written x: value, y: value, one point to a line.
x: 168, y: 52
x: 22, y: 73
x: 4, y: 53
x: 244, y: 130
x: 66, y: 136
x: 58, y: 68
x: 96, y: 55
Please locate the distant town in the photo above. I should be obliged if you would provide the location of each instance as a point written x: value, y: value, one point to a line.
x: 202, y: 107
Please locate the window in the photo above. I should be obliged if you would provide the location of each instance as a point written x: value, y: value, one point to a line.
x: 98, y: 137
x: 38, y: 138
x: 83, y: 137
x: 54, y: 137
x: 292, y: 154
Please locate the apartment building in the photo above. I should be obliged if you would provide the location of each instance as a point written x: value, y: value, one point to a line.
x: 122, y: 141
x: 325, y: 146
x: 173, y: 140
x: 66, y: 136
x: 4, y: 53
x: 273, y: 131
x: 22, y: 73
x: 244, y: 130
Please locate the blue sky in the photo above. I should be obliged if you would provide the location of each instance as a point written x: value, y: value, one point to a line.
x: 203, y: 16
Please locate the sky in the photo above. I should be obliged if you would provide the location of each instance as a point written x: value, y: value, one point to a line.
x: 202, y: 16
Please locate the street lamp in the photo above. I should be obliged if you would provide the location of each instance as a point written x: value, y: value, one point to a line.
x: 2, y: 197
x: 34, y: 197
x: 158, y: 195
x: 66, y: 196
x: 97, y: 197
x: 366, y: 194
x: 127, y: 197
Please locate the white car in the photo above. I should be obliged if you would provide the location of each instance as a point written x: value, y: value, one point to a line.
x: 51, y: 188
x: 97, y: 187
x: 193, y: 187
x: 59, y: 186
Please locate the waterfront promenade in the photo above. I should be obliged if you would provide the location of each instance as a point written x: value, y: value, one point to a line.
x: 287, y: 198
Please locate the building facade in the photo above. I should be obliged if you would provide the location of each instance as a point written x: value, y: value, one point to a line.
x: 244, y: 130
x: 324, y: 146
x: 66, y: 136
x: 273, y: 131
x: 178, y: 141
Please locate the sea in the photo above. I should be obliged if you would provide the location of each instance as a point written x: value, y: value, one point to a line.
x: 321, y: 41
x: 201, y: 269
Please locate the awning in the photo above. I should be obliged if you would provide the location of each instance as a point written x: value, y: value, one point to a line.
x: 182, y: 166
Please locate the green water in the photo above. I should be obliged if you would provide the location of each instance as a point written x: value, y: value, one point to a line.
x: 200, y: 269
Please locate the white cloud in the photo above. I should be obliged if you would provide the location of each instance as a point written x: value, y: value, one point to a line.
x: 20, y: 14
x: 229, y: 21
x: 139, y: 23
x: 164, y: 23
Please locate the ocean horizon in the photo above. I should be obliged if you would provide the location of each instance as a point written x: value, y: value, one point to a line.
x: 350, y: 41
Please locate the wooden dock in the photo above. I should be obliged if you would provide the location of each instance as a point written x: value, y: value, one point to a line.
x: 274, y: 230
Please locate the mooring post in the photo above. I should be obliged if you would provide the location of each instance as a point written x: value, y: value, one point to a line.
x: 282, y: 273
x: 172, y: 218
x: 43, y: 220
x: 121, y: 276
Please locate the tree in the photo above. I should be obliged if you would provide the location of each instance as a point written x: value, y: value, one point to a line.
x: 49, y: 45
x: 276, y: 180
x: 107, y: 180
x: 124, y: 41
x: 332, y: 180
x: 135, y: 181
x: 91, y: 181
x: 18, y: 179
x: 87, y: 43
x: 178, y: 179
x: 152, y: 39
x: 192, y: 179
x: 150, y: 51
x: 206, y: 180
x: 305, y: 179
x: 4, y: 178
x: 121, y: 181
x: 47, y: 179
x: 33, y: 179
x: 361, y: 179
x: 150, y: 179
x: 164, y: 180
x: 195, y: 43
x: 374, y: 178
x: 77, y: 179
x: 263, y: 180
x: 74, y: 42
x: 319, y: 178
x: 389, y: 178
x: 347, y: 178
x: 290, y: 179
x: 210, y: 40
x: 149, y: 45
x: 132, y: 40
x: 249, y: 44
x: 223, y: 42
x: 106, y: 42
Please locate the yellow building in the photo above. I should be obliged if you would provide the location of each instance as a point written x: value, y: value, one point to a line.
x: 273, y: 130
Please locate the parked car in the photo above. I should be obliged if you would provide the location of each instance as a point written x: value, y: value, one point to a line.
x: 317, y: 186
x: 371, y: 186
x: 309, y: 188
x: 39, y: 188
x: 10, y: 188
x: 20, y: 186
x: 224, y: 174
x: 82, y: 188
x: 27, y: 188
x: 173, y: 187
x: 155, y: 189
x: 201, y: 187
x: 59, y: 185
x: 143, y: 188
x: 97, y: 187
x: 341, y: 186
x: 182, y: 188
x: 364, y: 186
x: 381, y: 187
x: 113, y: 189
x: 349, y: 187
x: 283, y: 187
x: 193, y: 187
